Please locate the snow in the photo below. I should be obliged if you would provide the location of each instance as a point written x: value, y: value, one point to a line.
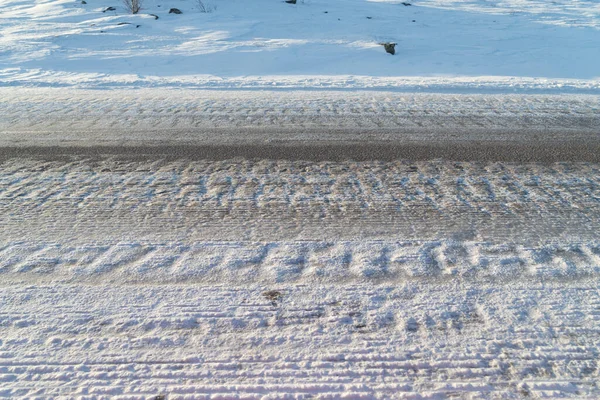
x: 406, y: 341
x: 451, y: 45
x: 324, y: 232
x: 116, y: 283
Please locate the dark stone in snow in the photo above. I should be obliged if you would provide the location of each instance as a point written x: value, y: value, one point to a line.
x: 127, y: 23
x: 290, y: 1
x: 273, y: 296
x: 83, y: 2
x: 109, y: 9
x: 155, y: 16
x: 406, y: 4
x: 175, y: 11
x: 389, y: 47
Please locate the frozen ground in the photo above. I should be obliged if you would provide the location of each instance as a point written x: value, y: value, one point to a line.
x: 443, y: 45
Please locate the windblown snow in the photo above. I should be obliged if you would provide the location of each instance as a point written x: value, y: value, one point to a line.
x: 441, y: 45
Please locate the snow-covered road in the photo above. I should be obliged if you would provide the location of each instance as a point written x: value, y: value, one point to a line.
x: 98, y: 220
x: 133, y: 268
x: 315, y: 125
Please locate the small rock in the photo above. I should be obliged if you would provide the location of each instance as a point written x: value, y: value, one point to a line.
x: 160, y: 397
x: 290, y: 1
x: 369, y: 17
x: 109, y: 9
x: 137, y: 26
x: 83, y: 2
x: 273, y: 296
x: 175, y: 11
x: 406, y: 4
x: 154, y: 15
x: 414, y: 20
x: 389, y: 47
x: 124, y: 23
x: 325, y: 12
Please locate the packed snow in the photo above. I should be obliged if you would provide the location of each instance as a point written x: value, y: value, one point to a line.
x: 160, y: 279
x: 441, y: 45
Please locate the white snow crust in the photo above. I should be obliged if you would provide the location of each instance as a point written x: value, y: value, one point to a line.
x: 504, y: 45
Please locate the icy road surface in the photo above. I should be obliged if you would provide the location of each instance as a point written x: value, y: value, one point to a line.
x: 133, y: 268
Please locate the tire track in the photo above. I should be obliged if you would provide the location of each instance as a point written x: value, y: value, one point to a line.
x: 84, y: 200
x: 79, y: 118
x: 298, y: 262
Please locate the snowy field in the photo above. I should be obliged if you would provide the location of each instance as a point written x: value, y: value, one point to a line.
x: 483, y: 45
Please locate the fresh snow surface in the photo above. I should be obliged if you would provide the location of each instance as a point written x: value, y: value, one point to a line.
x: 467, y: 45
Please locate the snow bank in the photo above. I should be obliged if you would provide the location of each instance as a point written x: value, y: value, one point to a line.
x: 442, y: 45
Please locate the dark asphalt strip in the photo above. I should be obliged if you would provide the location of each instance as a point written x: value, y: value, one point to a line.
x: 584, y: 151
